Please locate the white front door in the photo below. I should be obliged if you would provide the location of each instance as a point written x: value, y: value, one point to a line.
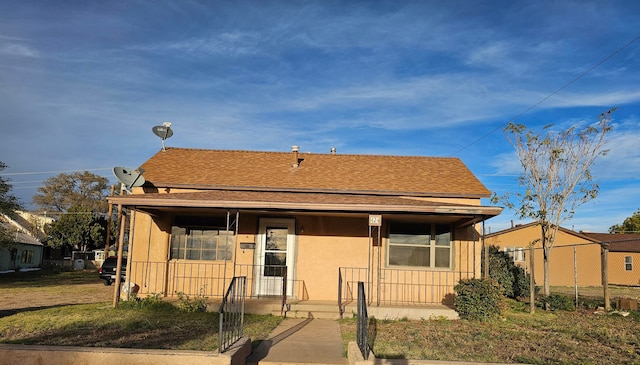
x: 275, y: 256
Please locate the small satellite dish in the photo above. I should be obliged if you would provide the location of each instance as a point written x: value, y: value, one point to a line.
x: 129, y: 177
x: 163, y: 131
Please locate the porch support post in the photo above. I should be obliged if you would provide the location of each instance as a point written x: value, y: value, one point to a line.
x: 605, y: 275
x: 132, y: 225
x: 486, y: 253
x: 369, y: 259
x: 235, y: 243
x: 379, y: 266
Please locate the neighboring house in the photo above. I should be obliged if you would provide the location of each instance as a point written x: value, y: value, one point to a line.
x: 33, y: 223
x: 623, y: 257
x: 22, y: 251
x: 573, y: 253
x: 306, y: 220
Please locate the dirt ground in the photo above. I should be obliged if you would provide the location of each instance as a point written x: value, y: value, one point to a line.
x: 25, y: 291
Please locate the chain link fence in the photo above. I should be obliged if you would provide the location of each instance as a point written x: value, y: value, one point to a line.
x: 591, y: 273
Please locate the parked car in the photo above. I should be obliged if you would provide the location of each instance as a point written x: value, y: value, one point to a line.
x: 107, y: 271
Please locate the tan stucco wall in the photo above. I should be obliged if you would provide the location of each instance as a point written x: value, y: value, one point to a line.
x: 461, y: 201
x: 323, y: 245
x: 617, y: 273
x: 326, y: 244
x: 562, y: 256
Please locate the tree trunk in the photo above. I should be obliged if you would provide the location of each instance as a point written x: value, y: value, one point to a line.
x: 547, y: 288
x: 546, y: 251
x: 532, y: 280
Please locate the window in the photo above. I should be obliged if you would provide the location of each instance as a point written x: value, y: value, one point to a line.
x: 516, y: 253
x: 201, y: 238
x: 628, y: 263
x: 419, y: 244
x: 26, y: 257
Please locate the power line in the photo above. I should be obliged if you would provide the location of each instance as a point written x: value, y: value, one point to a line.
x: 550, y: 95
x: 52, y: 172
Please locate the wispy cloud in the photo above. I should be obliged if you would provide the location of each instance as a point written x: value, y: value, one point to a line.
x: 19, y: 50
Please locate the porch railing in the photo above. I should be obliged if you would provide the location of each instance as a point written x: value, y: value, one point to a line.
x: 348, y: 278
x: 212, y: 279
x: 231, y: 314
x: 399, y: 286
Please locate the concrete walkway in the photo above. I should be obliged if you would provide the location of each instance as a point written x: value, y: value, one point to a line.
x: 301, y: 341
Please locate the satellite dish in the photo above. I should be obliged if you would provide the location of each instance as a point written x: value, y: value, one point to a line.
x: 163, y: 131
x: 129, y: 177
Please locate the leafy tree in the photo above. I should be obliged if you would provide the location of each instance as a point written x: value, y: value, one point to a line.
x: 630, y: 225
x: 61, y: 192
x: 556, y: 177
x: 79, y: 228
x: 8, y: 203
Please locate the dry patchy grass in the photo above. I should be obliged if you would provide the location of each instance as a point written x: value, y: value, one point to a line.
x: 541, y: 338
x: 99, y: 325
x: 39, y: 308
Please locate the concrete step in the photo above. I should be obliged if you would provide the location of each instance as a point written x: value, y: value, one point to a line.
x: 312, y: 310
x: 329, y: 310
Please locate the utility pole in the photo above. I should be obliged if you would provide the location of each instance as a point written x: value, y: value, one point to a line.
x: 109, y: 219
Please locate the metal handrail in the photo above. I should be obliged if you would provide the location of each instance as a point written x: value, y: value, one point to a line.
x: 283, y: 313
x: 231, y: 313
x: 362, y: 330
x: 340, y: 307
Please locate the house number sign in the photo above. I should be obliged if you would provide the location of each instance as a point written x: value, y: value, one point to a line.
x: 375, y: 220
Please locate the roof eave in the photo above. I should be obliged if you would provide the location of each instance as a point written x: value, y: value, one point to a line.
x: 133, y: 201
x: 478, y: 195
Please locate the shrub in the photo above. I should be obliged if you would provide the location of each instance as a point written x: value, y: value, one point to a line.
x: 197, y: 304
x: 152, y: 302
x: 557, y: 302
x: 478, y: 299
x: 512, y: 278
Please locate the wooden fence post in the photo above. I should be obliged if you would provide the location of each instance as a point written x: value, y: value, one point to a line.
x: 605, y: 275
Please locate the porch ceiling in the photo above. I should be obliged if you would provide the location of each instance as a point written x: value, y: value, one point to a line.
x: 303, y: 202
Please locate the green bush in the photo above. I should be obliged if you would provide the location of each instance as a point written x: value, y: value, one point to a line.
x: 478, y: 299
x: 557, y: 302
x: 512, y: 278
x: 197, y: 304
x: 152, y: 302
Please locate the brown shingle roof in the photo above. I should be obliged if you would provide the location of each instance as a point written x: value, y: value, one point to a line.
x: 618, y: 242
x: 370, y: 174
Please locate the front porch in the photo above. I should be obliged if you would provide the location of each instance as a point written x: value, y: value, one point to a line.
x: 401, y: 294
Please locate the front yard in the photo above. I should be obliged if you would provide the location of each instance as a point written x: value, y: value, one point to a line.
x: 74, y: 308
x: 542, y: 338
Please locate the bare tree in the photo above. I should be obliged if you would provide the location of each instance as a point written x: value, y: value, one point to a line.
x: 557, y: 175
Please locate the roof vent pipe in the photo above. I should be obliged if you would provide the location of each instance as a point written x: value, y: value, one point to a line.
x: 333, y: 150
x: 295, y: 150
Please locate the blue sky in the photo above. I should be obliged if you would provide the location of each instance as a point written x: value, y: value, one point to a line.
x: 83, y: 82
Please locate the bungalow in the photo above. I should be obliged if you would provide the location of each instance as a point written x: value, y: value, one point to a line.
x: 576, y: 255
x: 306, y: 226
